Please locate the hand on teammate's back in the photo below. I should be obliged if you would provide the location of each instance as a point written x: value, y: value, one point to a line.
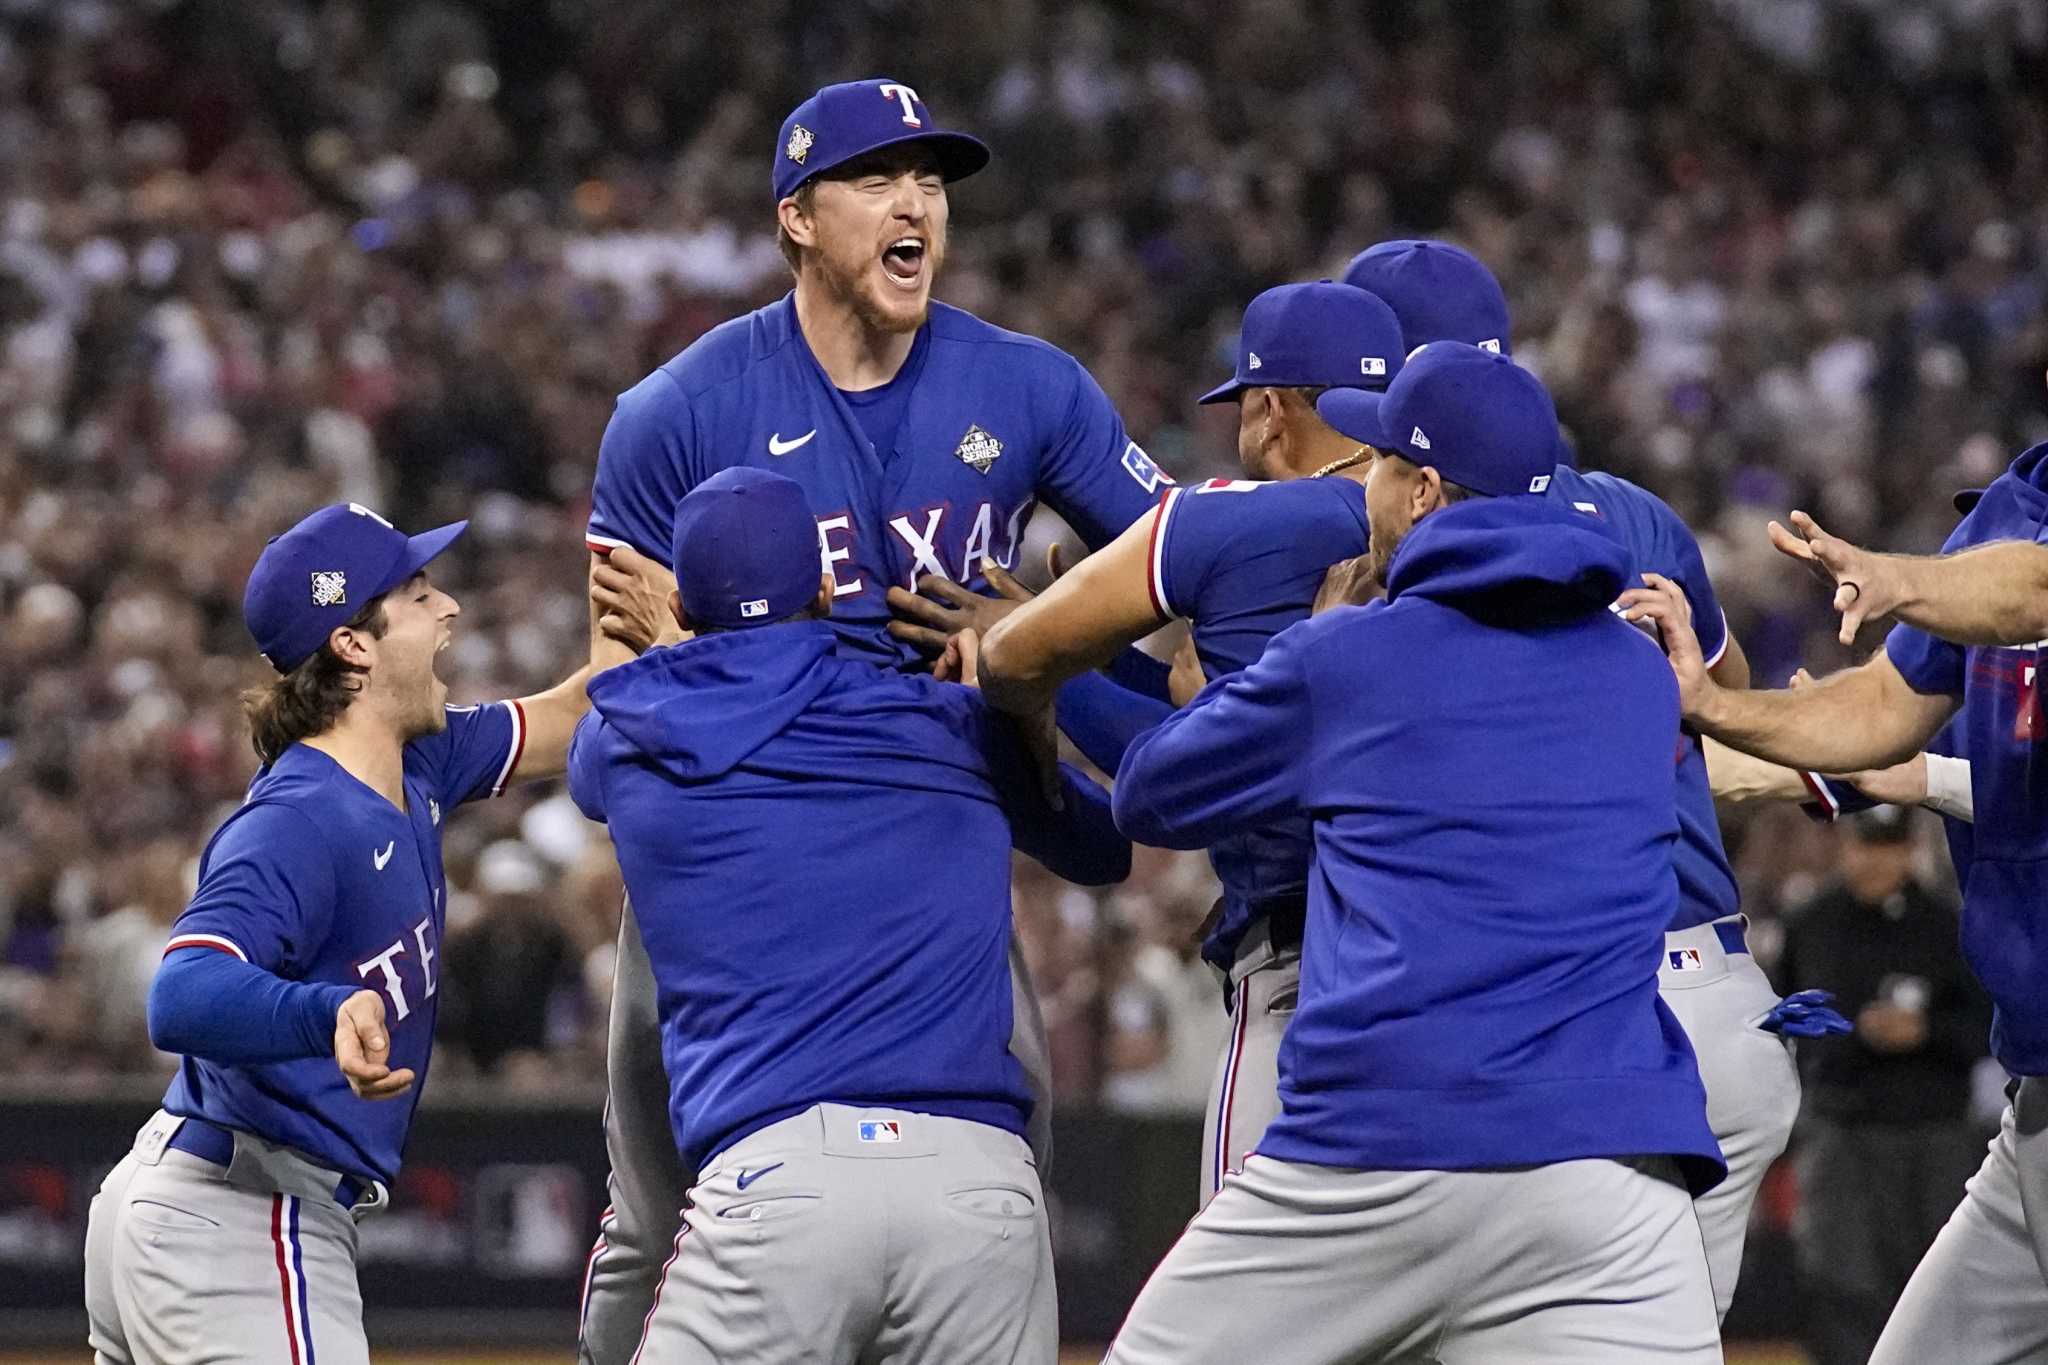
x: 631, y: 593
x: 941, y: 608
x: 362, y: 1048
x: 1349, y: 583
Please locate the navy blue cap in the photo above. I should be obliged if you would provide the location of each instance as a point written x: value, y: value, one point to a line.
x: 1439, y: 291
x: 1474, y: 416
x: 844, y: 121
x: 745, y: 549
x: 1319, y: 335
x: 323, y: 571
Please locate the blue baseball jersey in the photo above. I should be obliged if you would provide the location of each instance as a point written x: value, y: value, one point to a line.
x: 1243, y: 561
x: 991, y: 423
x: 1661, y: 543
x: 2001, y: 728
x: 318, y: 878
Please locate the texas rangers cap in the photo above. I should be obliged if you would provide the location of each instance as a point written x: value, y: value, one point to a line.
x: 852, y: 119
x: 1319, y: 335
x: 1439, y: 292
x: 746, y: 549
x: 323, y: 571
x: 1474, y: 416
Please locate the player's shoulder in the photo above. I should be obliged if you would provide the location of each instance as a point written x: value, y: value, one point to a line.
x: 1037, y: 355
x: 721, y: 355
x: 1305, y: 511
x: 286, y: 819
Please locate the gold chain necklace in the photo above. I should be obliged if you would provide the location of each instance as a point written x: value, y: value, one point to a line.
x: 1349, y: 460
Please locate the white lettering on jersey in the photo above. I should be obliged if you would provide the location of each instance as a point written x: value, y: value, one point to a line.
x: 907, y: 97
x: 924, y: 547
x: 1227, y: 486
x: 392, y: 987
x: 419, y: 936
x: 978, y: 541
x: 830, y: 556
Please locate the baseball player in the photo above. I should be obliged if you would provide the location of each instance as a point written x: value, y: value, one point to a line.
x: 1242, y: 560
x: 922, y: 437
x: 837, y: 1042
x: 1980, y: 1296
x: 299, y: 985
x: 1491, y: 1124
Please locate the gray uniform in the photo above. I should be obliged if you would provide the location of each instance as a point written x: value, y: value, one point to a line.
x: 863, y: 1235
x: 253, y: 1263
x: 1980, y: 1296
x: 648, y: 1184
x: 1264, y: 984
x: 1751, y: 1080
x: 1572, y: 1263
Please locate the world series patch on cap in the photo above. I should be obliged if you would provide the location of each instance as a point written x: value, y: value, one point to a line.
x: 323, y: 571
x: 841, y: 122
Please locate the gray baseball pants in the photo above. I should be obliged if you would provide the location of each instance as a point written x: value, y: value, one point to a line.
x: 189, y: 1263
x: 848, y: 1236
x: 1751, y: 1080
x: 1575, y: 1263
x: 1980, y: 1295
x: 1244, y: 1099
x: 647, y: 1184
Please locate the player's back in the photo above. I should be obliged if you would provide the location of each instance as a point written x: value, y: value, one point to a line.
x: 818, y: 852
x: 1244, y: 561
x: 1659, y: 542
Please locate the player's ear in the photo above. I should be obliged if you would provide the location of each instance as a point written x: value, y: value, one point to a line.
x: 1428, y: 494
x: 351, y: 646
x: 796, y: 224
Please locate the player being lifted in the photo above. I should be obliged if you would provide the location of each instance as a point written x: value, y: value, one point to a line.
x: 922, y: 437
x: 299, y: 986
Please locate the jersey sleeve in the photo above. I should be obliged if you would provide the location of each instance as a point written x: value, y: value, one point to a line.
x: 643, y: 469
x: 1931, y: 666
x: 266, y: 891
x: 1666, y: 545
x: 1094, y: 475
x: 1190, y: 540
x: 476, y: 755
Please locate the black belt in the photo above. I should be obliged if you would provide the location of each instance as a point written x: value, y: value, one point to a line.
x: 213, y: 1143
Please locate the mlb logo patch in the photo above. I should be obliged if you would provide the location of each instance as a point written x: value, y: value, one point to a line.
x: 757, y: 607
x: 881, y: 1130
x: 1685, y: 960
x: 1372, y: 364
x: 1539, y: 483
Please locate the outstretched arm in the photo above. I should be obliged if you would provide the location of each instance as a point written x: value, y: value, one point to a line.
x: 1992, y: 595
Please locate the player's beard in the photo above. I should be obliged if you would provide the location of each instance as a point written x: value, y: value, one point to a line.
x: 1384, y: 544
x: 850, y: 282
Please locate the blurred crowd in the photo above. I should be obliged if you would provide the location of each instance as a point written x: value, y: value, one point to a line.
x: 256, y: 258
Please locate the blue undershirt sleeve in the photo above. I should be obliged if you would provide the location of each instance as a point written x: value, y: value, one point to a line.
x: 210, y: 1004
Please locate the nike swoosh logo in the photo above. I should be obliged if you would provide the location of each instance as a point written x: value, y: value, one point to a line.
x: 748, y: 1177
x: 778, y: 446
x: 382, y: 858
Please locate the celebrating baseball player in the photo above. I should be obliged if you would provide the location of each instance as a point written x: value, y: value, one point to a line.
x: 1980, y: 1295
x: 922, y: 437
x: 1491, y: 1124
x: 837, y: 1042
x: 299, y: 985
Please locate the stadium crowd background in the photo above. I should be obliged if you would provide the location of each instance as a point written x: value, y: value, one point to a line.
x: 255, y: 258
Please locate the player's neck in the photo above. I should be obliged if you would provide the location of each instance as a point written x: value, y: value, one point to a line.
x: 368, y: 748
x: 854, y: 355
x: 1341, y: 458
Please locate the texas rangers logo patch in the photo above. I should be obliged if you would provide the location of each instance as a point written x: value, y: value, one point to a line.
x: 881, y: 1130
x: 800, y: 140
x: 978, y: 450
x: 330, y: 588
x: 1685, y: 960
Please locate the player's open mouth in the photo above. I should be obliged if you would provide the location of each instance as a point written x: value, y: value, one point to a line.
x: 903, y: 262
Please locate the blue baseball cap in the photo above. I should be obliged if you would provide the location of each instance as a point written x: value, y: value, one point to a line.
x: 1320, y: 335
x: 1439, y: 292
x: 852, y: 119
x: 323, y: 571
x: 1474, y: 416
x: 745, y: 549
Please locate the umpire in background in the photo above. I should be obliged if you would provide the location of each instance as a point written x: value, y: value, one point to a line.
x: 1885, y: 1140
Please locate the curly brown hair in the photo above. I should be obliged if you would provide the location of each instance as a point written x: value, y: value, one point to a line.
x: 312, y: 696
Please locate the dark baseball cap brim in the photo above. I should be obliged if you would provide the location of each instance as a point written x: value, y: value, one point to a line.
x: 1966, y: 499
x: 1226, y: 392
x: 422, y: 548
x: 959, y: 155
x: 1355, y: 413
